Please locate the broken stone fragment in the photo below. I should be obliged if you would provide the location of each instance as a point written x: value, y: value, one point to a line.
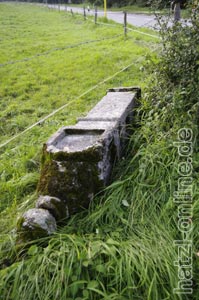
x: 54, y: 205
x: 35, y: 223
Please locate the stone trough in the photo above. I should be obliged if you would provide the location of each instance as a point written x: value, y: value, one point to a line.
x: 77, y: 162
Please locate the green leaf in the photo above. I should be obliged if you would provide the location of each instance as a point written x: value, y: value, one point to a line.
x: 92, y: 284
x: 74, y: 278
x: 87, y: 263
x: 101, y: 269
x: 33, y: 250
x: 86, y: 293
x: 125, y: 203
x: 112, y: 242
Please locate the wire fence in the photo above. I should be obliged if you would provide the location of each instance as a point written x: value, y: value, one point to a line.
x: 125, y: 28
x: 96, y: 13
x: 67, y: 104
x: 12, y: 149
x: 87, y: 17
x: 58, y: 49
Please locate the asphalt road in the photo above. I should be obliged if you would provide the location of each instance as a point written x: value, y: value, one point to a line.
x: 139, y: 20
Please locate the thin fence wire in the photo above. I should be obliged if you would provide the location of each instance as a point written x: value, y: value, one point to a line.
x: 145, y: 33
x: 120, y: 25
x: 128, y: 28
x: 78, y: 44
x: 111, y: 25
x: 84, y: 93
x: 58, y: 49
x: 67, y: 104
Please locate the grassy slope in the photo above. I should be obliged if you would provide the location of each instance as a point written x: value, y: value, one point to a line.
x: 123, y: 248
x: 30, y: 90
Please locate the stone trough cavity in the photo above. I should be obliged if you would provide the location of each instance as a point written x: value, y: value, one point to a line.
x: 77, y: 162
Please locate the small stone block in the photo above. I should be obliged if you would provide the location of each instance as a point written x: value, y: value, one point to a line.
x: 35, y: 223
x: 54, y: 205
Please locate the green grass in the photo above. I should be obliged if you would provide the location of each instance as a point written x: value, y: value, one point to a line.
x: 32, y: 89
x: 122, y: 247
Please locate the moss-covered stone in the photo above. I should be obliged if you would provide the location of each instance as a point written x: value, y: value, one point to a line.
x: 77, y: 160
x: 55, y: 206
x: 77, y: 163
x: 35, y: 223
x: 72, y: 182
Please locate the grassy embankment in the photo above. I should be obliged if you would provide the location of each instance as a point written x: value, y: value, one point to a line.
x: 58, y: 70
x: 122, y: 248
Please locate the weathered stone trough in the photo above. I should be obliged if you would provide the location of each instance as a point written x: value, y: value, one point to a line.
x: 77, y: 162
